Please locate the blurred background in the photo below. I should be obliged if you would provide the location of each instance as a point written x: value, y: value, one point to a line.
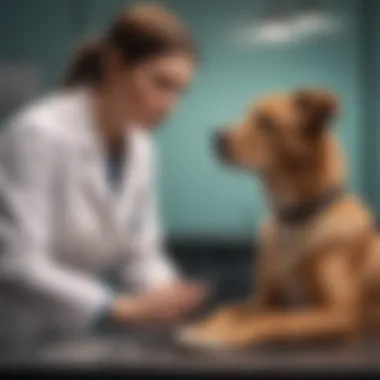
x: 248, y: 48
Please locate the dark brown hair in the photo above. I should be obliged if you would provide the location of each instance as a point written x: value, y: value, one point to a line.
x: 138, y: 34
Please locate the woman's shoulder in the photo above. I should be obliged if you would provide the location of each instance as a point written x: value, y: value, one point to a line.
x: 45, y: 117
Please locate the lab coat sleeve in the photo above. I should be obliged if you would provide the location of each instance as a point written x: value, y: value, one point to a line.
x: 148, y: 264
x: 27, y: 168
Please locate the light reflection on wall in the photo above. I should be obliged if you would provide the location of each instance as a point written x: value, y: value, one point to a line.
x: 283, y: 25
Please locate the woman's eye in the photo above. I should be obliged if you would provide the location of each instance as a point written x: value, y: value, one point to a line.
x: 266, y: 123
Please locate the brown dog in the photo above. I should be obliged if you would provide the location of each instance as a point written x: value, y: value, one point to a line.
x: 319, y: 266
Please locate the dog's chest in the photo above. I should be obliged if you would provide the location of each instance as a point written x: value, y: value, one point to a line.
x: 292, y: 242
x: 293, y: 245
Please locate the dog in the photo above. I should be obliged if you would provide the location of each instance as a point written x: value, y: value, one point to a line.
x: 318, y: 270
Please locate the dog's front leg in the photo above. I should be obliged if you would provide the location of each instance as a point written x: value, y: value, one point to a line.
x: 334, y: 316
x: 229, y: 317
x: 307, y: 325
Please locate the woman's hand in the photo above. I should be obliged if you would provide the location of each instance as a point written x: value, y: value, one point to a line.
x: 164, y: 306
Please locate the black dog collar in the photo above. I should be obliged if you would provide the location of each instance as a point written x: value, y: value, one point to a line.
x: 302, y: 212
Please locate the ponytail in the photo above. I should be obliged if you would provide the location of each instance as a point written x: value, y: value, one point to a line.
x: 86, y: 66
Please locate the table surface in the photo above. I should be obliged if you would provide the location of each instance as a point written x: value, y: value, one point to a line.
x: 156, y: 351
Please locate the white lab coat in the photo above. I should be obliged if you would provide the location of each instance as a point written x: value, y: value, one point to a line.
x: 62, y: 227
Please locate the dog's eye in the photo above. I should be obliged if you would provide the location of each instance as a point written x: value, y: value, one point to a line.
x: 266, y: 123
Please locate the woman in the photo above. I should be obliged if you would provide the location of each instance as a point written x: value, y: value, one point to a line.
x: 77, y: 188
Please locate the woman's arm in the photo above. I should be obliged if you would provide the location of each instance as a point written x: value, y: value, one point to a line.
x: 28, y: 158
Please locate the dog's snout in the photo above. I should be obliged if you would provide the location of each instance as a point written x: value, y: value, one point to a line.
x: 221, y: 144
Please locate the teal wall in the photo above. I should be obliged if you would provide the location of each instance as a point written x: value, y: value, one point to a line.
x: 40, y: 31
x: 372, y: 128
x: 198, y: 195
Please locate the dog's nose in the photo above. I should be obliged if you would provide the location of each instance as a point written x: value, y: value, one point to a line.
x: 221, y: 144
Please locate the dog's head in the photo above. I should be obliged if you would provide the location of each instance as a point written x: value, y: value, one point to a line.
x: 281, y: 131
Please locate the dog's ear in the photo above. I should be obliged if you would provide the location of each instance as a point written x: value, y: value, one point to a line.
x: 317, y: 109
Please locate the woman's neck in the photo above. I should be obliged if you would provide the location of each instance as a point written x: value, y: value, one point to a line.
x: 110, y: 127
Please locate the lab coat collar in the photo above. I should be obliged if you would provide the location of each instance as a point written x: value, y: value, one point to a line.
x: 115, y: 204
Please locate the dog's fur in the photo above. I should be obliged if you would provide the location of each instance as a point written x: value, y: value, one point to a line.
x: 329, y: 265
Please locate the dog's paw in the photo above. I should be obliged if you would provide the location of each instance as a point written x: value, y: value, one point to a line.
x: 192, y: 337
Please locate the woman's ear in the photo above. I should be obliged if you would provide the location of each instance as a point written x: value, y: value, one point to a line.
x: 317, y: 109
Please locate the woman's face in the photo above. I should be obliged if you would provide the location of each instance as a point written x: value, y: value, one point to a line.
x: 148, y: 92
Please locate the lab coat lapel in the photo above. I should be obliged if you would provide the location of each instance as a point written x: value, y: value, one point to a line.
x: 94, y: 170
x: 113, y: 206
x: 125, y: 199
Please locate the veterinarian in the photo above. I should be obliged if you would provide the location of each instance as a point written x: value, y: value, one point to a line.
x: 77, y: 189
